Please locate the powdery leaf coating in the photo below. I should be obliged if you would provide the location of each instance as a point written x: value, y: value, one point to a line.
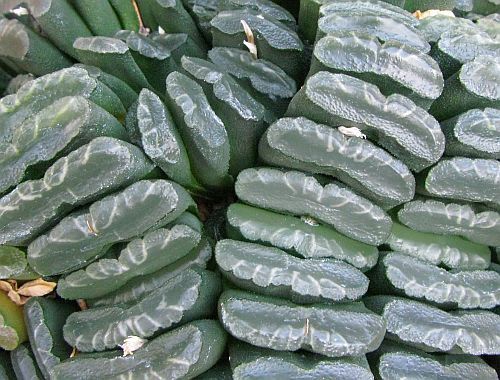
x: 200, y: 128
x: 182, y: 298
x: 84, y: 236
x: 183, y: 353
x: 139, y: 286
x: 272, y: 271
x: 395, y: 122
x: 451, y: 251
x: 448, y: 218
x: 249, y: 362
x: 357, y: 7
x: 266, y: 7
x: 300, y: 194
x: 44, y: 318
x: 467, y: 179
x: 433, y: 27
x: 141, y: 257
x: 474, y: 133
x: 481, y: 77
x: 24, y: 364
x: 101, y: 44
x: 464, y: 46
x: 263, y: 75
x: 419, y: 279
x: 394, y: 67
x: 12, y: 261
x: 302, y: 144
x: 56, y: 130
x: 39, y: 93
x: 103, y: 165
x: 143, y: 44
x: 333, y: 330
x: 400, y: 361
x: 384, y: 27
x: 475, y: 332
x: 290, y: 233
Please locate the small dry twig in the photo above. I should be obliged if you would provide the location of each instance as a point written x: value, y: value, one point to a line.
x: 250, y: 42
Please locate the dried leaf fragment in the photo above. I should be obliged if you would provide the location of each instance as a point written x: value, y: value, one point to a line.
x: 132, y: 343
x: 35, y: 288
x: 352, y: 132
x: 432, y: 12
x: 250, y: 43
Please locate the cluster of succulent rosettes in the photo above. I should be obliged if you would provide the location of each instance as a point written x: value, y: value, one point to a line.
x: 362, y: 143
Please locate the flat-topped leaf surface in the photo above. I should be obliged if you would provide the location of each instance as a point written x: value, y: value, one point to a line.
x: 243, y: 116
x: 474, y: 134
x: 44, y: 319
x: 415, y: 278
x: 449, y: 218
x: 12, y: 327
x: 474, y: 86
x: 300, y: 143
x: 395, y: 122
x: 275, y: 41
x: 271, y: 271
x: 297, y: 236
x: 330, y: 330
x: 467, y: 179
x: 24, y: 363
x: 101, y: 166
x: 144, y: 256
x: 56, y: 130
x: 12, y: 261
x: 139, y: 286
x: 453, y: 252
x: 39, y: 93
x: 299, y: 194
x: 398, y: 361
x: 433, y: 27
x: 385, y: 27
x: 183, y: 353
x: 392, y: 66
x: 250, y: 362
x: 190, y: 295
x: 201, y: 129
x: 266, y: 7
x: 417, y: 324
x: 84, y: 236
x: 150, y: 125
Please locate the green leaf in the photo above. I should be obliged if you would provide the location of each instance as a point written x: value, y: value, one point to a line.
x: 423, y: 326
x: 302, y: 144
x: 99, y: 16
x: 473, y: 134
x: 296, y: 236
x: 85, y: 235
x: 28, y: 50
x: 451, y: 251
x: 395, y: 122
x: 275, y: 41
x: 250, y: 362
x: 394, y: 67
x: 154, y: 251
x: 151, y: 126
x: 449, y: 218
x: 201, y: 129
x: 53, y: 132
x: 330, y: 330
x: 12, y: 261
x: 474, y: 86
x: 140, y: 286
x: 185, y: 352
x: 190, y: 295
x: 12, y: 328
x: 299, y: 194
x: 271, y: 271
x: 467, y: 179
x: 24, y: 363
x: 107, y: 164
x: 401, y: 274
x: 242, y: 115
